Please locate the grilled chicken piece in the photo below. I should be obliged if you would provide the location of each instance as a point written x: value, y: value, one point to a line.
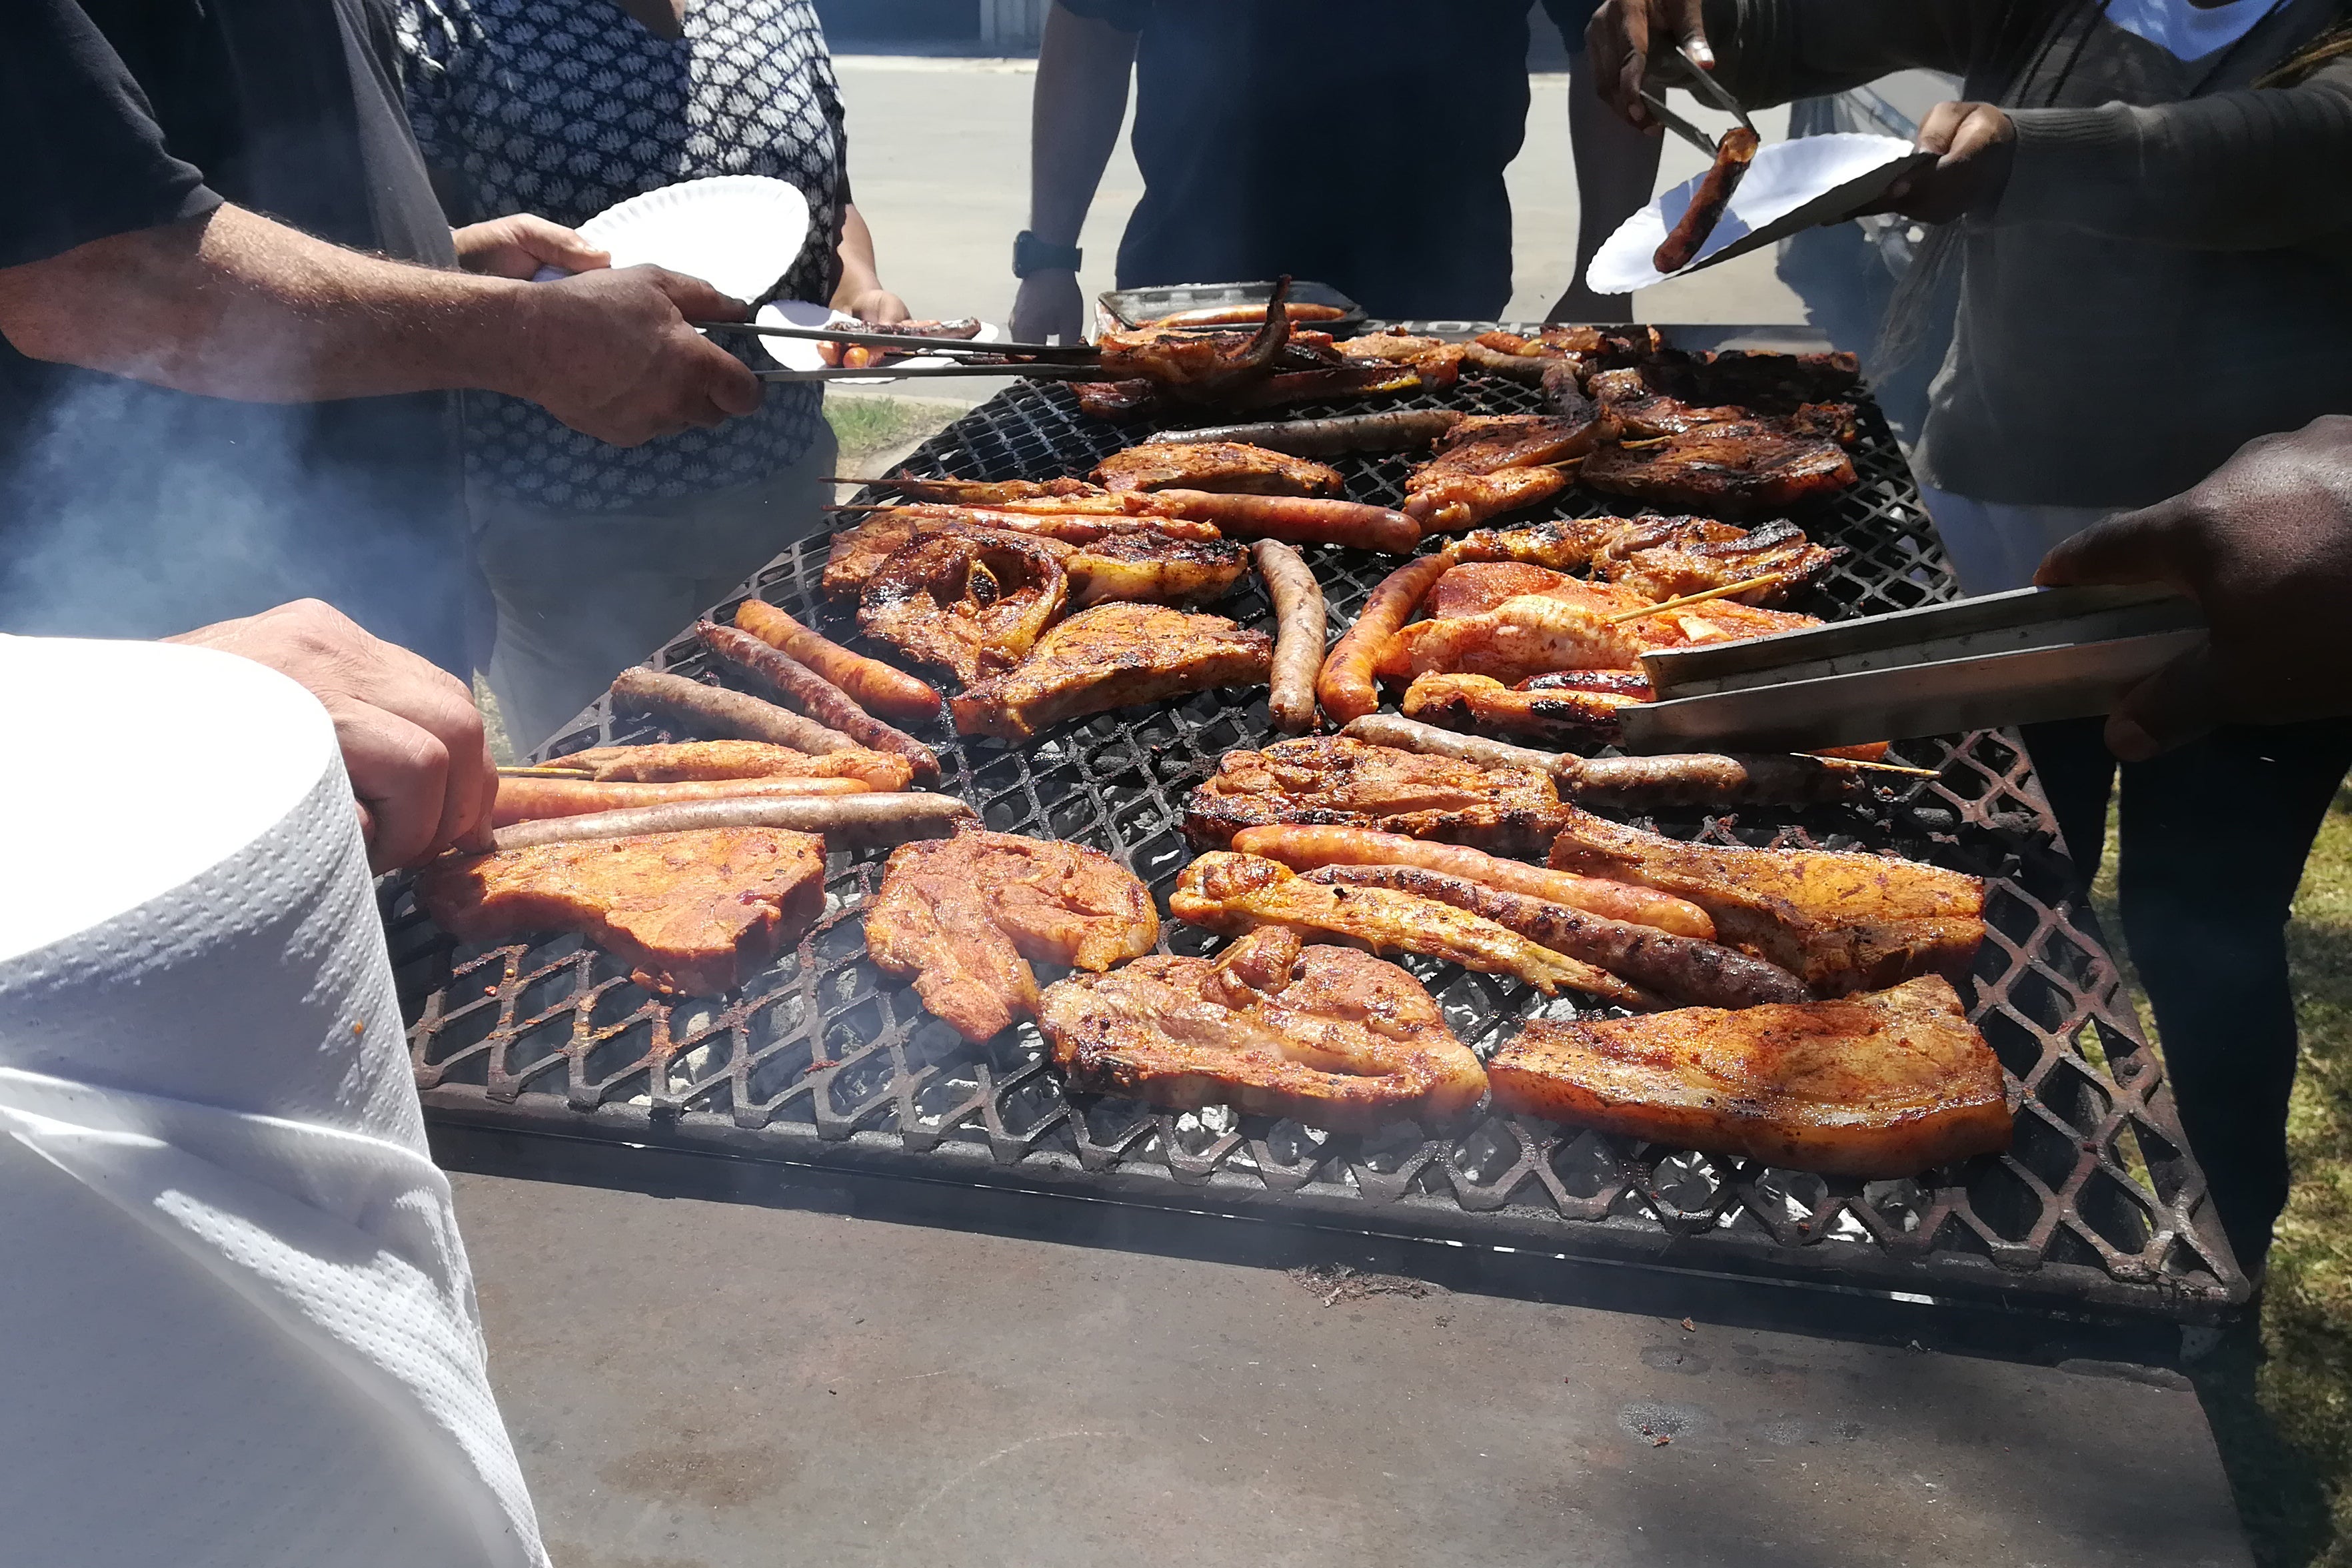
x: 1347, y: 783
x: 1226, y: 465
x: 1200, y: 367
x: 698, y: 911
x: 1112, y: 656
x: 1102, y: 555
x: 1559, y: 544
x: 1480, y: 586
x: 1566, y: 626
x: 1327, y: 1036
x: 1464, y: 500
x: 972, y: 601
x: 709, y: 759
x: 1841, y: 920
x: 1733, y: 470
x: 1551, y: 713
x: 1437, y: 361
x: 1887, y: 1083
x: 965, y: 915
x: 1234, y: 894
x: 1660, y: 557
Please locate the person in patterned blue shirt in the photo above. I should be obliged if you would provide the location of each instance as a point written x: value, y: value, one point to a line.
x: 564, y: 108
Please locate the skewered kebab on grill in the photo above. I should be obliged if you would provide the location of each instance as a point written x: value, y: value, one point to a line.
x: 1331, y: 1037
x: 965, y: 915
x: 697, y: 912
x: 1112, y: 656
x: 1887, y: 1083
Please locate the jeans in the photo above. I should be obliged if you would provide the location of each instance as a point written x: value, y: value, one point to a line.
x: 2212, y: 842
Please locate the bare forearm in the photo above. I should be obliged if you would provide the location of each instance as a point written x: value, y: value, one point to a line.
x: 1075, y: 114
x: 859, y: 275
x: 233, y: 305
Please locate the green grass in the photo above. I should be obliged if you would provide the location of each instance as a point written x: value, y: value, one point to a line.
x: 864, y: 425
x: 2279, y: 1390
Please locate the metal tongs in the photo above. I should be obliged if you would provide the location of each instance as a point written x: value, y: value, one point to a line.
x: 1064, y: 361
x: 1704, y: 85
x: 2024, y: 657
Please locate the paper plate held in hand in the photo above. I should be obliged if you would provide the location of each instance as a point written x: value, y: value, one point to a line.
x: 739, y: 233
x: 1792, y: 185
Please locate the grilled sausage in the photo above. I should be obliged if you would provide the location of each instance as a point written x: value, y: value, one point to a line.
x: 1732, y: 156
x: 1412, y: 735
x: 875, y: 687
x: 730, y: 714
x: 1295, y: 520
x: 1244, y: 315
x: 821, y: 698
x: 1299, y: 648
x: 1394, y: 431
x: 1345, y: 687
x: 1304, y: 848
x: 1673, y: 779
x: 1693, y: 972
x: 529, y: 800
x: 857, y: 821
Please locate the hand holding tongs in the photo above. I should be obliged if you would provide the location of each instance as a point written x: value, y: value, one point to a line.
x: 1064, y: 361
x: 1704, y: 85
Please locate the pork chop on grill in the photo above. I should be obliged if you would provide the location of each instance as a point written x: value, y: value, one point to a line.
x: 971, y: 601
x: 698, y: 911
x: 1347, y: 783
x: 1329, y: 1036
x: 1660, y: 557
x: 1884, y: 1083
x: 1223, y: 465
x: 1733, y: 470
x: 1841, y: 920
x: 1113, y: 656
x: 965, y: 915
x: 1492, y: 464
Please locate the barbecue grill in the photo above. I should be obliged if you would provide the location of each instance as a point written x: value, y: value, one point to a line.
x: 825, y: 1061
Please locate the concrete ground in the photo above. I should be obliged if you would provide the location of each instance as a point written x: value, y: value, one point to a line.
x: 800, y: 1376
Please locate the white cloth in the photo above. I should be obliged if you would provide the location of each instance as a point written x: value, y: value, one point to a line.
x: 1995, y: 546
x: 2185, y: 32
x: 241, y: 1329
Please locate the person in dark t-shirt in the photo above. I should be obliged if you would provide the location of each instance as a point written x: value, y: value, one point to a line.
x: 1358, y: 142
x: 206, y: 411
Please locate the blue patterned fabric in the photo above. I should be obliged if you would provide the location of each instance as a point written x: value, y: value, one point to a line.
x: 564, y: 108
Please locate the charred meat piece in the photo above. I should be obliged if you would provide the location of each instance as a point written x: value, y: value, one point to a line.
x: 1642, y: 411
x: 1200, y: 367
x: 1767, y: 382
x: 971, y: 601
x: 1486, y: 442
x: 1842, y: 922
x: 1437, y: 361
x: 1226, y: 465
x: 965, y: 915
x: 698, y: 911
x: 1682, y: 242
x: 1536, y: 710
x: 1147, y: 566
x: 1732, y: 470
x: 1463, y: 500
x: 1347, y: 783
x: 1567, y: 624
x: 1118, y: 401
x: 1665, y: 557
x: 1235, y: 893
x: 858, y: 553
x: 1113, y: 656
x: 1886, y: 1084
x: 1329, y: 1036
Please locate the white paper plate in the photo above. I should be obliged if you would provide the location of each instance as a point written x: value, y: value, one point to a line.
x: 739, y: 233
x: 799, y: 353
x: 1792, y: 185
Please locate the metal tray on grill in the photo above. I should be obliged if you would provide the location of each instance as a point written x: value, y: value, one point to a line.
x: 824, y: 1061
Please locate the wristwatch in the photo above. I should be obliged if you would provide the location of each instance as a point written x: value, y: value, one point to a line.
x: 1031, y: 254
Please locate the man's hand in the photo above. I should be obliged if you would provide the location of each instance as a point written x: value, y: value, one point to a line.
x: 1049, y: 306
x: 1977, y: 144
x: 519, y: 245
x: 1630, y: 41
x: 610, y: 354
x: 2264, y: 546
x: 411, y: 737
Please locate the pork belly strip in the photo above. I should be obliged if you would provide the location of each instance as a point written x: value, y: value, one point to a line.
x: 1884, y: 1083
x: 698, y: 911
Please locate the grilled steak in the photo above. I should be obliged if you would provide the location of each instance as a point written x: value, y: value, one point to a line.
x: 1842, y: 922
x: 1347, y: 783
x: 1887, y: 1083
x: 697, y: 912
x: 1329, y: 1036
x: 1734, y: 470
x: 1224, y: 466
x: 1147, y: 566
x: 1114, y: 655
x: 964, y: 915
x: 972, y: 601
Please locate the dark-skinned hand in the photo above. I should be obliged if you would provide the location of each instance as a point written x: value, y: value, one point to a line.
x: 2264, y: 546
x: 1629, y: 42
x: 1976, y: 144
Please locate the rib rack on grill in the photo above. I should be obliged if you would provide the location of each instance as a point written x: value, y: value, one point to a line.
x: 1332, y: 1036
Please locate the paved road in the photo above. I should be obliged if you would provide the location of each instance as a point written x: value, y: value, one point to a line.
x: 939, y: 155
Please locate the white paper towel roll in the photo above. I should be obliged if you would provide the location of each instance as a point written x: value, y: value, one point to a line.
x: 242, y: 1330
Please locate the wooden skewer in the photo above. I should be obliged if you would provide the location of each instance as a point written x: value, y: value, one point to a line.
x: 1645, y: 441
x: 1725, y: 591
x: 1885, y: 766
x: 867, y: 506
x: 543, y: 773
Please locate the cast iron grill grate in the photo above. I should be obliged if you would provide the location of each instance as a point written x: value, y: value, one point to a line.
x: 825, y: 1060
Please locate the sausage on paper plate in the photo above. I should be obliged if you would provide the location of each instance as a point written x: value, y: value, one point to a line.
x: 1345, y: 685
x: 1298, y: 647
x: 1684, y: 241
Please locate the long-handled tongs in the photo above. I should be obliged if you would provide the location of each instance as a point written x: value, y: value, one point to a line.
x: 1705, y: 87
x: 2024, y: 657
